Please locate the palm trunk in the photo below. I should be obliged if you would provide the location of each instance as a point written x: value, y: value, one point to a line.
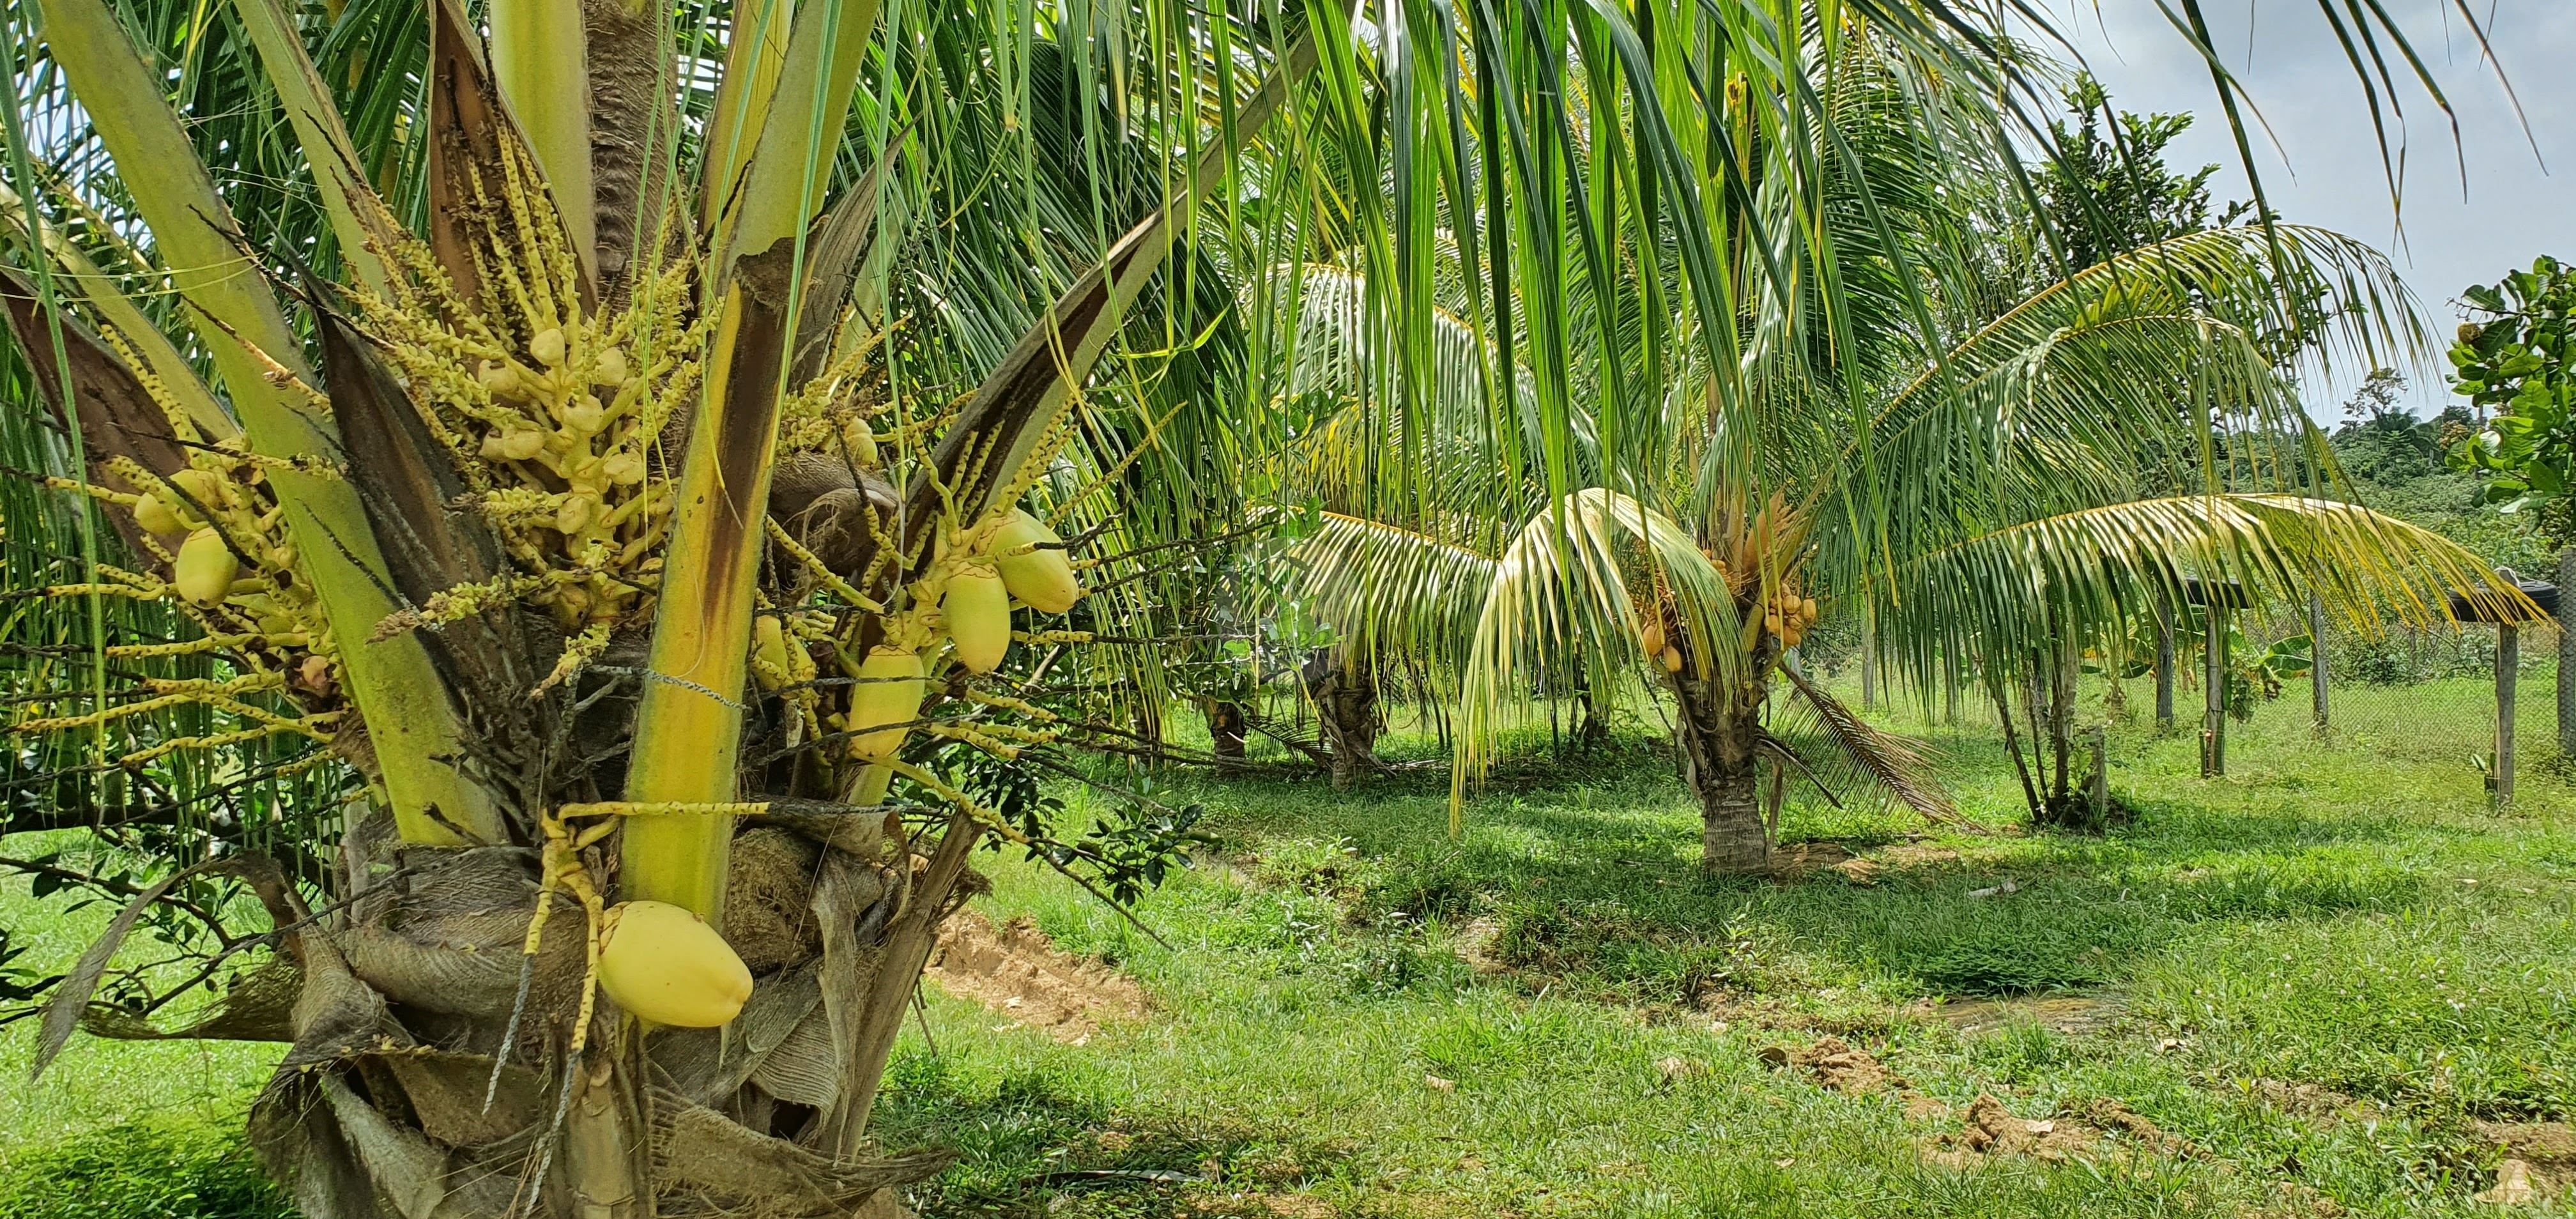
x: 1719, y: 737
x: 1226, y: 727
x: 2061, y: 715
x: 1345, y: 696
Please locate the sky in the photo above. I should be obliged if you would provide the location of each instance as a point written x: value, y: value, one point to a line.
x: 2512, y: 204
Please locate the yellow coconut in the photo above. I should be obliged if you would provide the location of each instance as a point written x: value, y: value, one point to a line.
x: 1807, y: 609
x: 888, y: 692
x: 154, y: 514
x: 662, y: 963
x: 203, y: 486
x: 206, y: 568
x: 1041, y: 579
x: 1651, y: 636
x: 1672, y: 660
x: 769, y: 644
x: 977, y: 610
x: 862, y: 442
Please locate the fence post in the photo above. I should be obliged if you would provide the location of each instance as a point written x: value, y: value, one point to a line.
x: 2317, y: 658
x: 2164, y: 663
x: 2213, y: 721
x: 2566, y: 656
x: 2508, y: 662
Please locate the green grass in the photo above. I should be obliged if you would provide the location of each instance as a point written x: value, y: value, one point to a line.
x: 2309, y: 922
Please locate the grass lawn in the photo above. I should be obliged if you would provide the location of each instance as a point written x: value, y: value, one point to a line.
x: 2327, y: 984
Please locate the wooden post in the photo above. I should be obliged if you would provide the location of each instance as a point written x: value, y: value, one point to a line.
x: 2213, y: 719
x: 2164, y: 664
x: 2508, y: 661
x: 2100, y: 788
x: 2317, y: 660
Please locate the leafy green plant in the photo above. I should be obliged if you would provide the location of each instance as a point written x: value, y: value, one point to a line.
x: 2518, y: 363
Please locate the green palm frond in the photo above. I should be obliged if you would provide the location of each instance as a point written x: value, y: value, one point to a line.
x: 2082, y: 573
x: 1559, y: 600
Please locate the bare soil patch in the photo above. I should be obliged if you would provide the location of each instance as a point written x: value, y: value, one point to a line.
x: 2546, y: 1151
x: 2067, y: 1014
x: 1837, y: 1065
x: 1016, y: 970
x: 1474, y: 944
x: 1988, y: 1130
x: 1799, y: 860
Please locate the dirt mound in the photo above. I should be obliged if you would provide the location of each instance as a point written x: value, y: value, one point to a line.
x: 2546, y: 1151
x: 2314, y: 1101
x: 1990, y: 1130
x: 1015, y: 970
x: 2111, y: 1115
x: 1836, y: 1065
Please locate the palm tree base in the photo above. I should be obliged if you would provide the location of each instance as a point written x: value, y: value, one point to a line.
x: 1734, y: 841
x: 431, y: 1076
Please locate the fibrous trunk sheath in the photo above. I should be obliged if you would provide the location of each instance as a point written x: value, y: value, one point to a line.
x: 1718, y: 740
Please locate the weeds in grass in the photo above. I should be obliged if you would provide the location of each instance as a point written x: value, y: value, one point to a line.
x: 157, y: 1168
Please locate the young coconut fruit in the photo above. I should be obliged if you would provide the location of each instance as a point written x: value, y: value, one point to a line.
x: 977, y: 609
x: 769, y: 645
x: 206, y: 568
x: 153, y: 513
x: 1043, y: 578
x: 1651, y: 636
x: 203, y: 486
x: 888, y: 692
x: 662, y: 963
x: 1672, y: 660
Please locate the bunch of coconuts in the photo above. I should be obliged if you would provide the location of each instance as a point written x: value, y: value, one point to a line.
x: 218, y: 514
x: 1789, y: 615
x: 663, y: 963
x: 1018, y: 558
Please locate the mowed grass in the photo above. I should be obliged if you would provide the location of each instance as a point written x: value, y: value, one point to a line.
x: 2327, y: 922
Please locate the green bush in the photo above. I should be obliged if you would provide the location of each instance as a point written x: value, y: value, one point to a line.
x: 156, y: 1168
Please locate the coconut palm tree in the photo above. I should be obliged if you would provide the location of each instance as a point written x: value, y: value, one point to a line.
x: 605, y: 465
x: 614, y: 438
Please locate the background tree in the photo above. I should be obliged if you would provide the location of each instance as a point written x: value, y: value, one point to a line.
x: 2516, y: 358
